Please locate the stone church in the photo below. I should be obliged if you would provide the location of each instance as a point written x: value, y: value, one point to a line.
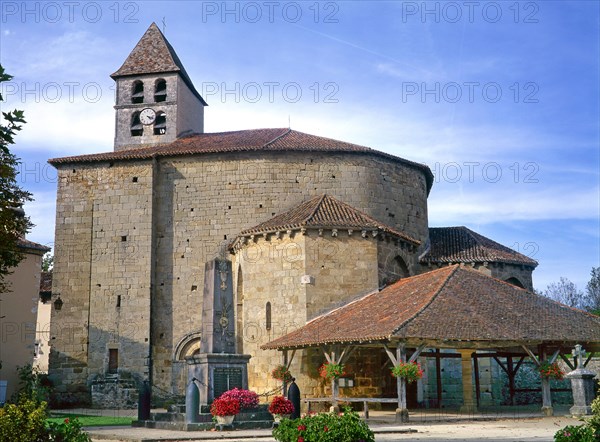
x: 309, y: 223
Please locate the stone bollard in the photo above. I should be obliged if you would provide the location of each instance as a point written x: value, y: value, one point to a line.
x: 192, y: 402
x: 294, y: 396
x: 145, y: 395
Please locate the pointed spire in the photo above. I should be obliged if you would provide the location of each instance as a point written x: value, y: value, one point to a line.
x: 154, y: 54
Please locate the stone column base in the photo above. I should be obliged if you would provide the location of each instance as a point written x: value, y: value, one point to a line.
x: 578, y: 410
x: 401, y: 415
x: 548, y: 411
x: 468, y: 409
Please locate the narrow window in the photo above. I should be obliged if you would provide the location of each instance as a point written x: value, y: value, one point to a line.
x: 268, y: 314
x: 160, y: 90
x: 136, y: 125
x: 160, y: 125
x: 113, y: 360
x: 137, y: 92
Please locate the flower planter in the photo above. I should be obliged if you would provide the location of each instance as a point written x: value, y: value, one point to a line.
x: 225, y: 420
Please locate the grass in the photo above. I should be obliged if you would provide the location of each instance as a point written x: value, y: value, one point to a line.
x: 92, y: 421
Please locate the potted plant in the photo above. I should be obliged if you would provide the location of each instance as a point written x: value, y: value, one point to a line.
x: 224, y: 410
x: 246, y: 398
x: 281, y: 408
x: 282, y: 373
x: 331, y: 371
x: 409, y: 371
x: 551, y: 371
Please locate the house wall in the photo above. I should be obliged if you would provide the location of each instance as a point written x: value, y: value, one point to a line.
x: 18, y: 318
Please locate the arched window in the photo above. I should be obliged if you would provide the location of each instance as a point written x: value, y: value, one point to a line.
x: 137, y: 92
x: 268, y: 316
x: 136, y: 125
x: 160, y: 90
x: 160, y: 124
x: 515, y: 281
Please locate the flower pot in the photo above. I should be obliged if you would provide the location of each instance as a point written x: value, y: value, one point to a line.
x: 225, y: 420
x: 277, y: 417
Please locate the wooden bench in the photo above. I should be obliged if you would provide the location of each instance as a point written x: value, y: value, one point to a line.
x: 364, y: 400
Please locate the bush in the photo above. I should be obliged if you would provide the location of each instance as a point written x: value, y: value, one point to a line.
x: 588, y: 432
x: 68, y: 431
x: 281, y: 405
x: 246, y: 398
x: 324, y: 427
x: 24, y: 421
x: 575, y: 433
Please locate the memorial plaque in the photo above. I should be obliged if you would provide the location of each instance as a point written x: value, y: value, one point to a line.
x: 226, y: 379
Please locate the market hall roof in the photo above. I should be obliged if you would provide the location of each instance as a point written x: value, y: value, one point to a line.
x: 452, y: 307
x: 461, y: 245
x: 254, y: 140
x: 153, y: 54
x: 324, y: 211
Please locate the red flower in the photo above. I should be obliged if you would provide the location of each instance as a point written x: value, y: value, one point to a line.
x: 66, y: 420
x: 300, y: 439
x: 326, y: 429
x: 301, y: 427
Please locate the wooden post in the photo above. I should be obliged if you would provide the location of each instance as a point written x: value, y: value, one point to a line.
x: 285, y: 363
x: 477, y: 385
x: 511, y: 379
x: 438, y: 375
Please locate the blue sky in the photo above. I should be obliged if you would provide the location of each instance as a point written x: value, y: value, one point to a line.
x: 500, y: 99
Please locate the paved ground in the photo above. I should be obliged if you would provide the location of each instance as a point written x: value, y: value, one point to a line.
x: 431, y: 427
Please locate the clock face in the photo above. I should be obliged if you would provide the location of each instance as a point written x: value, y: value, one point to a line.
x: 147, y: 116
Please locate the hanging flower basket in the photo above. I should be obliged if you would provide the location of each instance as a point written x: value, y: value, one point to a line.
x: 281, y: 373
x: 551, y: 371
x: 331, y: 371
x: 410, y: 371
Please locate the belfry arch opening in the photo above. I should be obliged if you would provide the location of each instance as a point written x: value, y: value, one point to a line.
x: 136, y: 125
x: 160, y: 90
x: 137, y: 92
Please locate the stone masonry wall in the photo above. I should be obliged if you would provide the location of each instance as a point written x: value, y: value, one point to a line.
x: 204, y: 201
x: 102, y: 272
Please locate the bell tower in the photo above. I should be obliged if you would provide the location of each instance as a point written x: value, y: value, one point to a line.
x: 156, y: 100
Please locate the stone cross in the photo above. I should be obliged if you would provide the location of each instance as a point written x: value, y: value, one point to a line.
x: 578, y: 353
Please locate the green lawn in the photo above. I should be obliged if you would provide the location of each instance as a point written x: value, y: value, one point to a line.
x: 92, y: 421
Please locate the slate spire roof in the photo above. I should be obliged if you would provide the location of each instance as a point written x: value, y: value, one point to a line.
x: 324, y: 211
x: 451, y: 307
x: 153, y: 54
x: 462, y: 245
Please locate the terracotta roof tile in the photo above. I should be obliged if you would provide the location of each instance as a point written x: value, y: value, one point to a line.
x: 462, y: 245
x: 30, y: 245
x: 451, y: 304
x: 154, y: 54
x: 259, y: 140
x: 46, y: 282
x: 324, y: 211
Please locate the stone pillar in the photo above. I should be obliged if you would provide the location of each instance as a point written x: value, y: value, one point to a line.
x: 401, y: 411
x: 546, y: 393
x: 469, y: 403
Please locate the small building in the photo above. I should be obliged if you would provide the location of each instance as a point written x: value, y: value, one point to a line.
x: 18, y: 315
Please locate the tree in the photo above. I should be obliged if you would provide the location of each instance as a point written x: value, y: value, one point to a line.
x: 13, y: 222
x: 593, y: 291
x: 566, y: 292
x: 48, y: 262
